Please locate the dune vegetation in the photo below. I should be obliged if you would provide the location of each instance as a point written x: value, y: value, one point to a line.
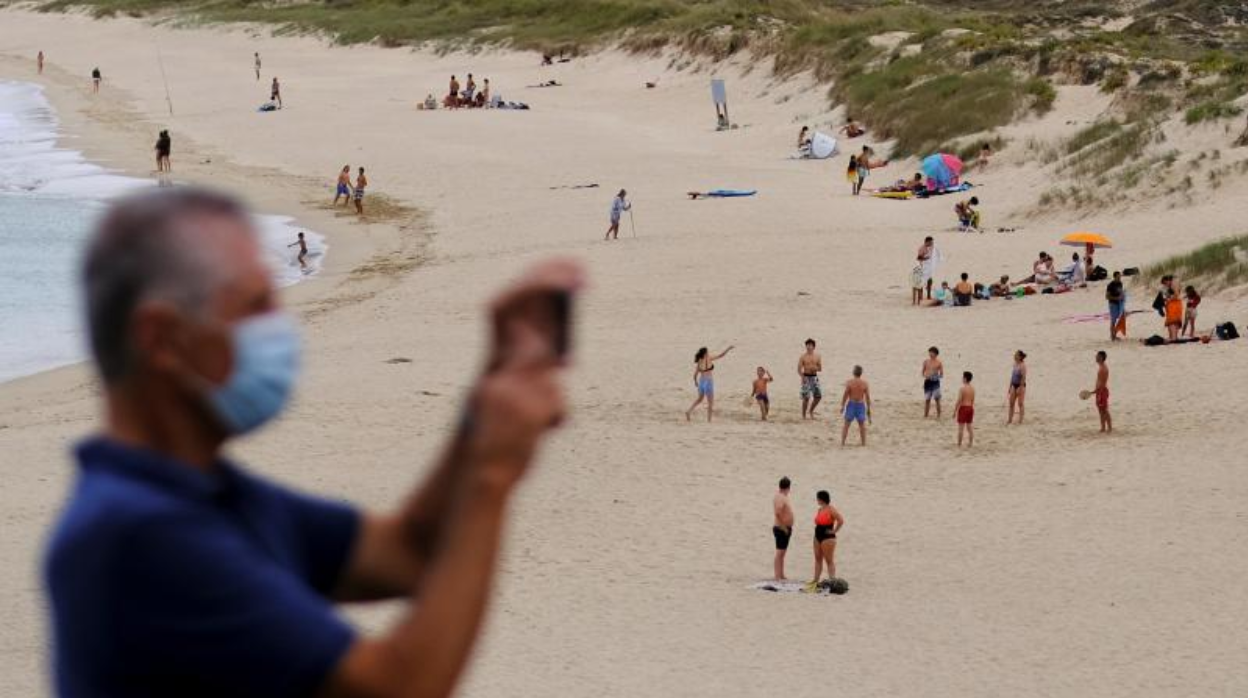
x: 1218, y: 265
x: 924, y: 72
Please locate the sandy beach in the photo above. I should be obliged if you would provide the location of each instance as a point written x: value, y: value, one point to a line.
x: 1048, y: 561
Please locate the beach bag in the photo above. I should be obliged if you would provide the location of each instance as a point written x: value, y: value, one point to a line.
x: 1159, y: 304
x: 1099, y: 273
x: 1155, y: 341
x: 1227, y: 331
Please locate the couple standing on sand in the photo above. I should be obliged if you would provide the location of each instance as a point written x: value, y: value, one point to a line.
x: 347, y: 193
x: 828, y: 522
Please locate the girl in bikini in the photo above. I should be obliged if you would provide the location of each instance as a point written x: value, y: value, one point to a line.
x: 704, y: 380
x: 827, y: 522
x: 1017, y: 392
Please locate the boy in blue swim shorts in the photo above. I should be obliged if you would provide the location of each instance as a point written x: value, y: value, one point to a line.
x: 856, y: 406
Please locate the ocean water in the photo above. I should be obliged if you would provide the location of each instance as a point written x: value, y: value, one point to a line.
x: 50, y: 197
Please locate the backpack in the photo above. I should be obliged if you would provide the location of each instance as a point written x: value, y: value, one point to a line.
x: 1227, y: 331
x: 1099, y: 273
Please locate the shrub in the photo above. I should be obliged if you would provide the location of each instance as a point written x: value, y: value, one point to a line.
x: 1211, y: 111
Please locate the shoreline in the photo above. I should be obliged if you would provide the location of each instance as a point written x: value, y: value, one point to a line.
x: 93, y: 128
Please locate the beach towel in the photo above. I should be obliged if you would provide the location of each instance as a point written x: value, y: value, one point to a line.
x: 892, y: 194
x: 826, y: 587
x: 722, y: 193
x: 268, y: 106
x: 964, y: 186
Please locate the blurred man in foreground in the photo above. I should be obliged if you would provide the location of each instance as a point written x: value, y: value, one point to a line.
x: 174, y: 572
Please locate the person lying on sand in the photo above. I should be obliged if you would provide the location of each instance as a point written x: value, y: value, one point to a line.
x: 913, y: 184
x: 852, y: 129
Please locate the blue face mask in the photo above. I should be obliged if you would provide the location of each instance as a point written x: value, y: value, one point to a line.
x: 266, y: 361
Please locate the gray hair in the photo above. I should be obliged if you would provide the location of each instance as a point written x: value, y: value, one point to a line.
x: 146, y: 248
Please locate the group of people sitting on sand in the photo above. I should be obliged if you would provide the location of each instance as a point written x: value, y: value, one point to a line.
x: 468, y: 96
x: 1045, y: 278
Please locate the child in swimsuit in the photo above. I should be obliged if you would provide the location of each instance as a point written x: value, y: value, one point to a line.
x: 1189, y: 320
x: 760, y: 392
x: 965, y: 410
x: 851, y: 174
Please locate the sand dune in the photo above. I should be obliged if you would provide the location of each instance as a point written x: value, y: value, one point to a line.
x: 1048, y: 561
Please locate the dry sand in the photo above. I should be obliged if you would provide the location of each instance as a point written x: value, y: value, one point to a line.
x: 1048, y: 561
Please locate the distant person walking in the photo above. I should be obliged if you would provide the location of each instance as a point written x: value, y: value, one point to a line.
x: 704, y: 381
x: 856, y: 406
x: 164, y: 144
x: 342, y: 190
x: 618, y: 206
x: 1016, y: 395
x: 452, y: 99
x: 866, y: 164
x: 257, y: 66
x: 361, y: 183
x: 302, y: 244
x: 965, y: 410
x: 96, y: 77
x: 809, y: 365
x: 781, y: 526
x: 828, y: 522
x: 39, y: 62
x: 275, y: 93
x: 933, y: 373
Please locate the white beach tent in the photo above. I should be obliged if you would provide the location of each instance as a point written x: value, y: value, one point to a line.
x: 822, y: 146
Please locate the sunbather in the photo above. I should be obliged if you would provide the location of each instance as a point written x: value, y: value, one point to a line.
x: 851, y: 129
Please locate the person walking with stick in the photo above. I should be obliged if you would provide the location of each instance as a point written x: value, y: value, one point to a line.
x: 618, y: 206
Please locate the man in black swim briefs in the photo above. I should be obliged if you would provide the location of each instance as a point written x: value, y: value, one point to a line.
x: 782, y: 525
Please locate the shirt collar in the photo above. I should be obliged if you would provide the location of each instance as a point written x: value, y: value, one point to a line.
x: 102, y: 454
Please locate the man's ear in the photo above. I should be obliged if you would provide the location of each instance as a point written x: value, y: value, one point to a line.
x: 157, y: 333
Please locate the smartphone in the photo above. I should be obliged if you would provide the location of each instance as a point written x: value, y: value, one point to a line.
x: 561, y: 322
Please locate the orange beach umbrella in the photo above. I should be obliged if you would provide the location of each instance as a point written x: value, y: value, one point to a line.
x: 1089, y: 240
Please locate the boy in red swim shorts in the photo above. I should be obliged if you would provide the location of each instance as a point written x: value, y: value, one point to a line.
x: 965, y: 410
x: 1102, y: 392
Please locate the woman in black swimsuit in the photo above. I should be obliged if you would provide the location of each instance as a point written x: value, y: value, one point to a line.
x: 827, y: 522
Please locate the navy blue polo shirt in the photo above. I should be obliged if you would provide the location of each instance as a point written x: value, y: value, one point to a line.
x: 166, y: 580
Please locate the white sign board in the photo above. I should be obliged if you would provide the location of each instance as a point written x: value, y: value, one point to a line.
x: 719, y: 94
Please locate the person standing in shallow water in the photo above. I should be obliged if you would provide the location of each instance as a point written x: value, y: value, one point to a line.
x: 704, y: 380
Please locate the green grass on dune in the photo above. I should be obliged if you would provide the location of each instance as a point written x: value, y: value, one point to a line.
x: 1216, y: 265
x: 980, y: 65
